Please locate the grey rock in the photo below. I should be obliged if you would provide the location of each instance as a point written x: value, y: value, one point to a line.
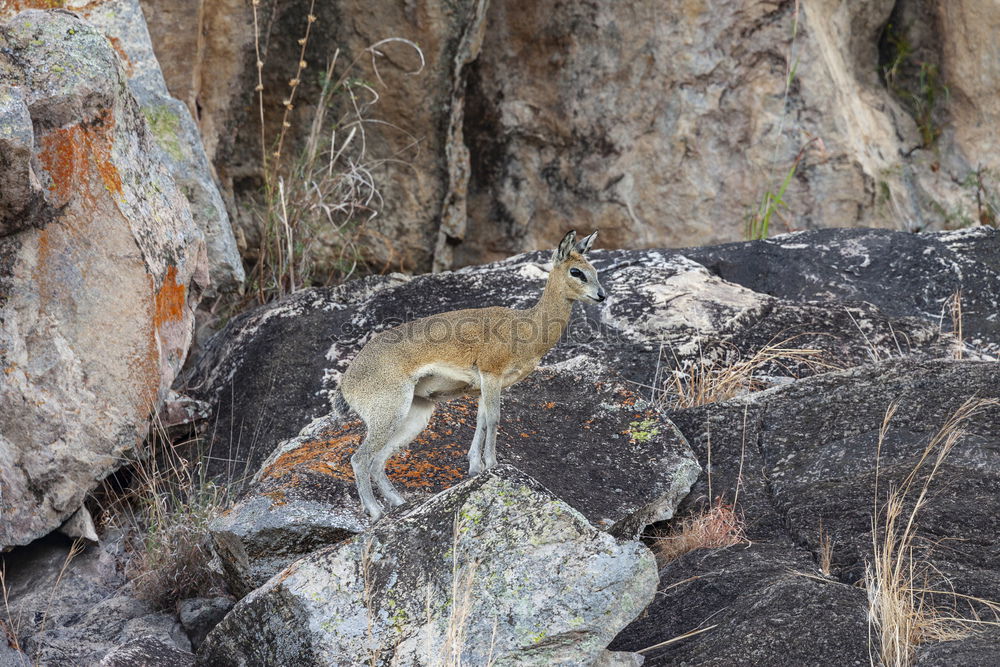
x: 765, y: 612
x: 978, y: 649
x: 147, y: 652
x: 588, y: 437
x: 804, y: 455
x: 199, y: 615
x: 21, y: 192
x: 174, y: 132
x: 904, y: 275
x: 619, y: 659
x: 518, y: 576
x: 113, y: 251
x: 76, y: 610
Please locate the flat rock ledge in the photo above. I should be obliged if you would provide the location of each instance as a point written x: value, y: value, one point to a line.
x: 495, y: 570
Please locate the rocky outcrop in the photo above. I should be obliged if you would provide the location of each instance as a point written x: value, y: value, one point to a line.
x: 584, y: 434
x: 100, y: 270
x: 664, y: 311
x: 173, y: 128
x: 74, y: 607
x: 882, y: 108
x: 804, y: 460
x: 495, y: 570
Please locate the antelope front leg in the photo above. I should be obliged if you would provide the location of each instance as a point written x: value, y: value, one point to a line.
x: 490, y: 400
x: 476, y: 450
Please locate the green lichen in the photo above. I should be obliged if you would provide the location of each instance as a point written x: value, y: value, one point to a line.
x: 165, y: 124
x: 644, y: 430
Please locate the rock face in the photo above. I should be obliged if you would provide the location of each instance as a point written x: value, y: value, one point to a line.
x: 173, y: 128
x: 584, y: 434
x: 100, y: 270
x: 808, y: 461
x: 685, y: 122
x: 526, y: 579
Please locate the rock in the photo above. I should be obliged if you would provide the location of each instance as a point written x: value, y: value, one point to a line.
x: 173, y: 128
x: 978, y: 649
x: 584, y: 434
x: 200, y: 615
x: 494, y: 569
x: 663, y: 150
x: 664, y: 311
x: 619, y: 659
x: 805, y: 457
x: 81, y: 525
x: 11, y: 657
x: 21, y: 195
x: 147, y: 652
x: 761, y: 609
x: 115, y: 251
x: 75, y: 608
x: 913, y: 275
x: 410, y: 158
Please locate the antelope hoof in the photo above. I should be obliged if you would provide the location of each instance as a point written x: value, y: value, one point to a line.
x: 396, y: 500
x: 475, y: 469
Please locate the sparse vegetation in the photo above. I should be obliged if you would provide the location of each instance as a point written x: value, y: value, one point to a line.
x: 164, y: 511
x: 717, y: 525
x: 317, y: 198
x: 904, y: 610
x: 919, y: 86
x: 713, y: 378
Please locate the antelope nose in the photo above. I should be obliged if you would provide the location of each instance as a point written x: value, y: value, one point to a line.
x: 601, y: 296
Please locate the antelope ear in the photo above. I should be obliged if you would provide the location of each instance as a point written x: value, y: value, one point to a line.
x: 584, y: 246
x: 565, y: 247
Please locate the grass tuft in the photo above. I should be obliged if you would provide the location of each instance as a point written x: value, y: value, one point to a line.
x: 717, y: 525
x: 903, y: 611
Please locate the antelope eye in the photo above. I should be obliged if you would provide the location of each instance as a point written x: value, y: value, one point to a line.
x: 577, y: 273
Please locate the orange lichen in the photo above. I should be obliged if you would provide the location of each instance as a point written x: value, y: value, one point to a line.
x: 434, y: 461
x: 69, y: 153
x: 170, y: 300
x: 116, y: 44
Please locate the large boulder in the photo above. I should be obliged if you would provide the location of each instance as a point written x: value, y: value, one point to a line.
x: 757, y: 604
x: 800, y: 461
x: 664, y: 312
x: 98, y: 279
x: 495, y: 570
x: 174, y: 130
x: 583, y: 433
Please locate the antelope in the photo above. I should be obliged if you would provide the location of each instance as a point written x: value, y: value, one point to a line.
x: 398, y: 376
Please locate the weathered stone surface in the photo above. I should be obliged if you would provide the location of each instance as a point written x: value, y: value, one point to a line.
x: 147, y: 652
x: 170, y: 121
x: 765, y: 612
x: 511, y: 574
x: 663, y: 149
x: 96, y: 296
x: 912, y: 275
x: 584, y: 434
x: 21, y: 193
x: 199, y: 615
x: 74, y: 610
x: 979, y: 649
x: 664, y: 311
x: 804, y: 456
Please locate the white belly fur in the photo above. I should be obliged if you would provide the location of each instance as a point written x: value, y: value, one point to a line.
x: 442, y: 379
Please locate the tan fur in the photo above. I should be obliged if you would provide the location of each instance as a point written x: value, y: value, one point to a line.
x: 395, y: 379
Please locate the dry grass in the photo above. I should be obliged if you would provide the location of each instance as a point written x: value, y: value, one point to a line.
x: 825, y: 555
x: 164, y: 512
x: 717, y: 525
x: 311, y: 217
x: 708, y: 380
x: 954, y: 306
x: 903, y: 610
